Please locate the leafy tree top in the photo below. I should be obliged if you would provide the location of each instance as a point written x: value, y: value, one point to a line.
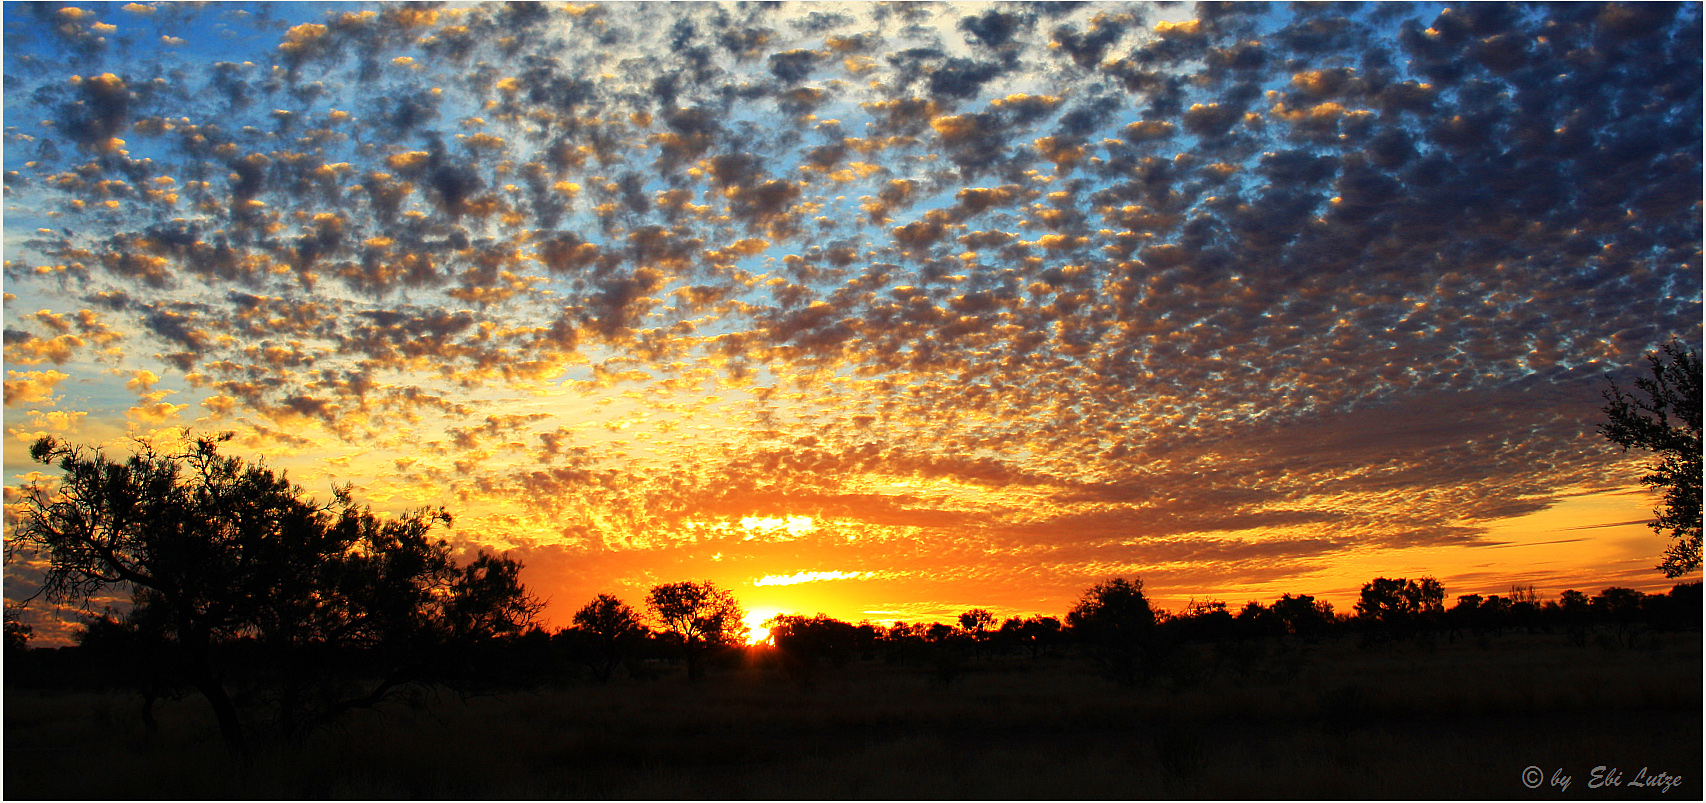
x: 1666, y: 423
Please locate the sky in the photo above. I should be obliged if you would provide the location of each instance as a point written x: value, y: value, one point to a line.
x: 884, y: 311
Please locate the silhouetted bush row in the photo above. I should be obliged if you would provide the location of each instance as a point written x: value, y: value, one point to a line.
x: 1113, y: 628
x: 1115, y: 625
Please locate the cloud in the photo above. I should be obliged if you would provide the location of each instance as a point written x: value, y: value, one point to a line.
x: 1347, y: 277
x: 32, y: 387
x: 153, y: 409
x: 808, y: 577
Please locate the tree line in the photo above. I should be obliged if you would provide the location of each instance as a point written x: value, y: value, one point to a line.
x: 1115, y: 625
x: 1113, y: 629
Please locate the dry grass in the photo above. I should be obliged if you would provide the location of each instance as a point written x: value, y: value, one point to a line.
x: 1458, y: 720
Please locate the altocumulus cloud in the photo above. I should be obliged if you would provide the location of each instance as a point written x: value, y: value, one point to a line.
x: 1065, y: 289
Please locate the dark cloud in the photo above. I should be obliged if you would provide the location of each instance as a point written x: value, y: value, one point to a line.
x: 793, y: 66
x: 995, y: 28
x: 100, y: 112
x: 959, y: 78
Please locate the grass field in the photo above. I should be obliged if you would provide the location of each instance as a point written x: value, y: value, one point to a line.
x: 1459, y: 720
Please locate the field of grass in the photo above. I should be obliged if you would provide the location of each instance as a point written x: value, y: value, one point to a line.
x: 1459, y: 720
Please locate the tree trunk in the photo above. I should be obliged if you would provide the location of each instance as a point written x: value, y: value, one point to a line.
x: 695, y: 670
x: 224, y: 711
x: 150, y: 725
x: 198, y: 670
x: 287, y: 707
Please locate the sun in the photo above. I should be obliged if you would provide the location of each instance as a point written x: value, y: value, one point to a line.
x: 758, y: 634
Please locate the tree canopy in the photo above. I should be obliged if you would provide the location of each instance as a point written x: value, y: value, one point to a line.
x: 699, y: 616
x: 1116, y: 619
x: 1400, y: 601
x: 604, y: 629
x: 1116, y: 609
x: 1666, y: 423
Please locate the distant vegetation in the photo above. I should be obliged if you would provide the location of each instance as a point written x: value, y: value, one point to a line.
x: 1288, y: 699
x: 1115, y: 629
x: 1112, y: 631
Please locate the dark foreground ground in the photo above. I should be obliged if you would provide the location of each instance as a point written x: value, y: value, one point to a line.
x: 1462, y: 720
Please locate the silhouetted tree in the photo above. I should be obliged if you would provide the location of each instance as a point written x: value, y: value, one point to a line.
x: 1466, y: 603
x: 1495, y: 613
x: 977, y: 623
x: 901, y: 631
x: 1577, y: 615
x: 1667, y: 423
x: 1035, y: 634
x: 1621, y: 607
x: 808, y: 643
x: 1255, y: 621
x: 226, y: 551
x: 903, y: 643
x: 1207, y: 620
x: 1115, y: 621
x: 942, y: 647
x: 605, y: 631
x: 699, y: 617
x: 1401, y: 607
x: 1388, y: 600
x: 865, y: 636
x: 1238, y: 642
x: 1302, y: 616
x: 18, y: 634
x: 1678, y: 610
x: 1481, y: 615
x: 1520, y: 609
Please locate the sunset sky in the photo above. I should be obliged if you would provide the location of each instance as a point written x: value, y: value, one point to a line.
x: 883, y: 311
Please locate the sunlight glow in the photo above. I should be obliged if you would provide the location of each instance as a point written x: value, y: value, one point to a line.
x: 754, y: 619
